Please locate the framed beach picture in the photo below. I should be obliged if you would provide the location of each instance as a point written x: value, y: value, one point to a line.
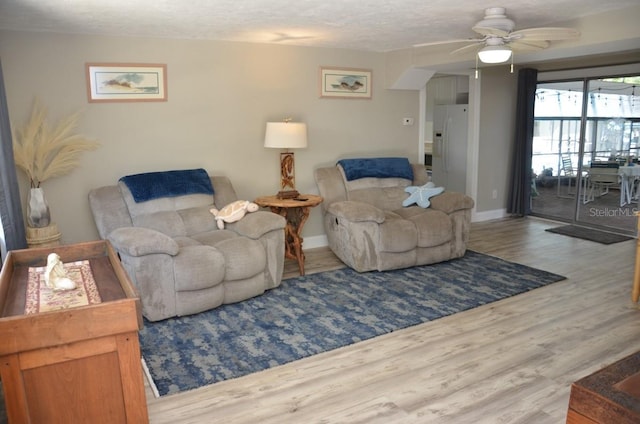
x: 126, y: 82
x: 345, y: 83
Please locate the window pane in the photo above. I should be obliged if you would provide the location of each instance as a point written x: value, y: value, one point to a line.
x: 574, y: 188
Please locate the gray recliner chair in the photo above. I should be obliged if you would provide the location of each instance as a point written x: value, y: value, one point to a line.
x: 172, y: 249
x: 368, y: 227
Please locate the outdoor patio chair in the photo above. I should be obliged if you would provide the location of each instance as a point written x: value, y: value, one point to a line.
x: 602, y: 176
x: 570, y: 175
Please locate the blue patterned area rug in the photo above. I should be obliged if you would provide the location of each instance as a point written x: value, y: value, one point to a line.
x: 319, y: 312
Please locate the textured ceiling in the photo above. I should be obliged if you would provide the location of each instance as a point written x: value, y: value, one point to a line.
x: 374, y: 25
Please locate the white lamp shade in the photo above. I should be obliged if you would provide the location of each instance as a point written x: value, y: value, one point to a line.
x: 286, y: 135
x: 494, y: 54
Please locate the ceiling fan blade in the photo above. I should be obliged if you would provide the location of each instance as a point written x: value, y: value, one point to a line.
x: 474, y: 46
x: 546, y: 34
x: 440, y: 43
x: 528, y: 45
x: 497, y: 32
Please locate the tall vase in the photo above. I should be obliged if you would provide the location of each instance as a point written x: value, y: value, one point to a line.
x: 38, y: 214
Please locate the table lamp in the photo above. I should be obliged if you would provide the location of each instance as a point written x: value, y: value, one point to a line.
x: 286, y: 135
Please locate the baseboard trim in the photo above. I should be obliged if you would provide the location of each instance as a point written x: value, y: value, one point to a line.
x: 489, y: 215
x: 315, y: 241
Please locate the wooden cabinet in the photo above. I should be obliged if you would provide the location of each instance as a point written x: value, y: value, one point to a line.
x: 74, y: 365
x: 449, y: 90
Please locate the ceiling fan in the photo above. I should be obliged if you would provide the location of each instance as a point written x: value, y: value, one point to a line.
x: 499, y: 38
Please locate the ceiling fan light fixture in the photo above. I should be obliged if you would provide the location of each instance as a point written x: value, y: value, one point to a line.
x: 494, y: 54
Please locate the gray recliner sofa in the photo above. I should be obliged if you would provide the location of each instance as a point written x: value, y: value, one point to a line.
x: 368, y: 227
x: 172, y: 249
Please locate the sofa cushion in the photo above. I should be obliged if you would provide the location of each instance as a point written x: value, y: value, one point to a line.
x: 397, y: 234
x: 141, y: 241
x: 409, y: 211
x: 451, y: 201
x: 186, y: 241
x: 198, y: 267
x: 258, y: 224
x: 357, y: 212
x: 244, y: 289
x: 244, y: 257
x: 433, y: 227
x: 197, y: 220
x: 213, y: 237
x: 167, y: 222
x: 387, y: 198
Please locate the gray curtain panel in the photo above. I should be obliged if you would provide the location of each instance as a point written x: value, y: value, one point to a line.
x: 12, y: 234
x: 521, y: 173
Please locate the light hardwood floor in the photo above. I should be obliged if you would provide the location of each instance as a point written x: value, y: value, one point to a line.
x: 511, y: 361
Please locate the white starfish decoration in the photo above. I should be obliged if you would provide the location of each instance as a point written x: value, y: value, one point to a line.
x: 421, y: 195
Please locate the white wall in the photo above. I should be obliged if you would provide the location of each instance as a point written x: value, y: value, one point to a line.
x: 220, y: 95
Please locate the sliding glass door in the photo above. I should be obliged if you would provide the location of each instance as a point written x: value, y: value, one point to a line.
x: 586, y: 150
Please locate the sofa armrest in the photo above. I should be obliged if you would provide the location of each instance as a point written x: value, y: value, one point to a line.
x: 256, y: 224
x: 451, y: 201
x: 356, y: 211
x: 138, y: 241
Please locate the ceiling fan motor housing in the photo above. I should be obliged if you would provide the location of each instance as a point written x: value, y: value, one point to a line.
x: 495, y: 17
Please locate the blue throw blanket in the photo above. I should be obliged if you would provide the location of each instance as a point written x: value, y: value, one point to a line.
x: 377, y: 168
x: 153, y: 185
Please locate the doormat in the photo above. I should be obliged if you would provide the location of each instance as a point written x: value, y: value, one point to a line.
x: 590, y: 234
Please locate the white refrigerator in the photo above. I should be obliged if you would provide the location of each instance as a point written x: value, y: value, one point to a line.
x: 449, y: 168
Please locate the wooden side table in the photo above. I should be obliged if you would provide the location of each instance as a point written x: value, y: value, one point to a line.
x: 295, y: 211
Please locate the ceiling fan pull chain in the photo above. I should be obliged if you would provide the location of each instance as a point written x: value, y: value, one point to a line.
x: 476, y: 65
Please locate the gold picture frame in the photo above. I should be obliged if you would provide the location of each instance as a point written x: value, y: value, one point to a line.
x: 345, y: 83
x: 126, y: 82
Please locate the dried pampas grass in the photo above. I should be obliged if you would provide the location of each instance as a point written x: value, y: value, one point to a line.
x: 43, y: 152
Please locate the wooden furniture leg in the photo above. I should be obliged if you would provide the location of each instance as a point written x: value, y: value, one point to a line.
x: 296, y: 218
